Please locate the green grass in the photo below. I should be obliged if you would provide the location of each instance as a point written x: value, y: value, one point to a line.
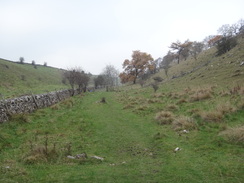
x: 18, y: 79
x: 134, y: 147
x: 126, y: 131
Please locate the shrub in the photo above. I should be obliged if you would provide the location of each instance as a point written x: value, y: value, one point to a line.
x: 158, y: 79
x: 155, y: 86
x: 164, y: 117
x: 184, y: 123
x: 226, y: 44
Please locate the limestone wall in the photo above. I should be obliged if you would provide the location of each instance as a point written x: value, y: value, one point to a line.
x: 29, y: 103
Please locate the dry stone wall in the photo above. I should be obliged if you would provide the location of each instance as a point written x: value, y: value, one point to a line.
x: 30, y: 103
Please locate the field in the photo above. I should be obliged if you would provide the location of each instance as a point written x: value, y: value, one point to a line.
x: 137, y: 145
x: 189, y: 130
x: 19, y: 79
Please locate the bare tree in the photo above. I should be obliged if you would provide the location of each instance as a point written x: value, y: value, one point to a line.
x: 77, y: 77
x: 110, y: 75
x: 70, y: 75
x: 196, y: 48
x: 167, y: 59
x: 99, y: 81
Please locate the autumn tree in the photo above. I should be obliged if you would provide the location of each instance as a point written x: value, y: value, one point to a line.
x: 137, y: 66
x: 181, y: 49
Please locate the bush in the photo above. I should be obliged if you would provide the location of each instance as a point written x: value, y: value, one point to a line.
x: 225, y: 44
x: 155, y: 86
x: 158, y: 79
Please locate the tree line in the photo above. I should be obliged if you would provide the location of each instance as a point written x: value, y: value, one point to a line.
x: 142, y: 64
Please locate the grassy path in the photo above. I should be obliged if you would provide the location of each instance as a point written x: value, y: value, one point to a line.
x: 134, y: 147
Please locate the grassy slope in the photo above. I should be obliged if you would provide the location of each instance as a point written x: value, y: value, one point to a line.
x: 222, y: 71
x: 17, y: 79
x: 135, y: 147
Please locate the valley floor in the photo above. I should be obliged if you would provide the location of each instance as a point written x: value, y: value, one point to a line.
x: 133, y: 146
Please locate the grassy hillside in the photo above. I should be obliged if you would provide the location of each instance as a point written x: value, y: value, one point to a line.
x: 135, y: 132
x: 224, y: 70
x: 138, y: 132
x: 18, y: 79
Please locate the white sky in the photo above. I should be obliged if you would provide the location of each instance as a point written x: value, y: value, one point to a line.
x: 94, y: 33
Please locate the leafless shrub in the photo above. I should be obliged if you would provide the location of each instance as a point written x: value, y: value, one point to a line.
x: 164, y: 117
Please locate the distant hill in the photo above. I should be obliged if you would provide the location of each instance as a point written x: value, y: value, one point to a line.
x: 225, y: 70
x: 18, y: 79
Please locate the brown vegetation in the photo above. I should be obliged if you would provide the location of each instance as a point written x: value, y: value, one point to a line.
x: 164, y: 117
x: 184, y: 123
x: 235, y: 134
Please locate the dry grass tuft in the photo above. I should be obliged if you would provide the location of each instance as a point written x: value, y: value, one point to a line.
x: 184, y: 123
x: 158, y: 95
x: 237, y: 90
x: 212, y: 116
x: 128, y: 106
x: 226, y: 108
x: 55, y: 107
x: 164, y: 117
x: 235, y: 134
x: 202, y: 95
x: 172, y: 107
x: 142, y: 108
x: 181, y: 101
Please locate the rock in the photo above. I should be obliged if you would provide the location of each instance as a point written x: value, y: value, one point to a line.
x: 71, y: 157
x: 81, y: 156
x: 177, y: 149
x: 185, y: 131
x: 97, y: 157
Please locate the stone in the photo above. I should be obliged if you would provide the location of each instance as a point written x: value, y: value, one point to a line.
x: 97, y: 157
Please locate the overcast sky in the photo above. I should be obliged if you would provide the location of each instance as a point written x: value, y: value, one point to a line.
x: 94, y: 33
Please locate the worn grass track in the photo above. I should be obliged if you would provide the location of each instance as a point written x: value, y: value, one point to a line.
x: 134, y: 147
